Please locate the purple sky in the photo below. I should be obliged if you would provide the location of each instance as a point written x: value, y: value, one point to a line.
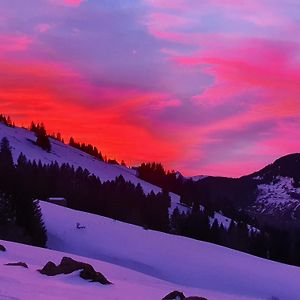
x: 203, y: 86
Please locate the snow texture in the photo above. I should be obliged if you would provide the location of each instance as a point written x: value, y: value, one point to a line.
x: 192, y: 266
x: 278, y: 196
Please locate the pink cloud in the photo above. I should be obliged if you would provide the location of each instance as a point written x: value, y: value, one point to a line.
x: 252, y: 70
x: 166, y: 4
x: 14, y: 43
x: 226, y: 65
x: 259, y: 75
x: 72, y: 3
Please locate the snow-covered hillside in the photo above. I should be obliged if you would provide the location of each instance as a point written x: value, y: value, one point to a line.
x: 278, y: 191
x: 17, y: 283
x: 195, y: 267
x: 277, y: 197
x: 22, y: 140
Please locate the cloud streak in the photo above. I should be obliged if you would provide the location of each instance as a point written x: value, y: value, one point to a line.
x: 202, y: 86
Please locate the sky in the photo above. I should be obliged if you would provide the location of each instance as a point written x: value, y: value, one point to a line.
x: 204, y: 86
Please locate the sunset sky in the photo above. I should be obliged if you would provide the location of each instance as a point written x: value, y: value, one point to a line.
x: 203, y: 86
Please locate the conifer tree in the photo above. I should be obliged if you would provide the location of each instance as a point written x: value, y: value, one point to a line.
x: 42, y: 139
x: 37, y: 227
x: 6, y: 166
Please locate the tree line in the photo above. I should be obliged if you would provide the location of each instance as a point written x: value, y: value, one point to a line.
x: 20, y: 215
x: 117, y: 199
x: 244, y: 233
x: 6, y: 120
x: 26, y: 180
x: 121, y: 200
x: 43, y: 141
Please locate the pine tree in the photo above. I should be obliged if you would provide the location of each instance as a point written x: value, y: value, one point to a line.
x: 29, y: 217
x: 42, y: 139
x: 33, y: 127
x: 37, y: 226
x: 215, y: 232
x: 6, y: 159
x: 7, y: 167
x: 72, y: 142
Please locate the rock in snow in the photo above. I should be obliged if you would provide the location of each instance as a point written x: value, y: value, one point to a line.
x: 18, y: 264
x: 69, y: 265
x: 176, y: 295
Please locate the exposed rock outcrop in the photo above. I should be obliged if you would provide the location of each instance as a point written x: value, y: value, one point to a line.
x: 175, y: 295
x: 69, y: 265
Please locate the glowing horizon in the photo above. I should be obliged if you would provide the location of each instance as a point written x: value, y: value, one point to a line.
x: 205, y: 87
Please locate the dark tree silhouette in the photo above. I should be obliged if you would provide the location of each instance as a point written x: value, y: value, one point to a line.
x: 6, y: 121
x: 16, y: 206
x: 42, y: 139
x: 7, y: 167
x: 7, y: 212
x: 89, y: 149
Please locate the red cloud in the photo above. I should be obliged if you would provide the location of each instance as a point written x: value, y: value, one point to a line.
x: 103, y: 116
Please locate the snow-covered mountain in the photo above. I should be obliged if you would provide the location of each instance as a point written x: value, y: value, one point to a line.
x: 142, y: 264
x: 270, y: 195
x: 278, y: 190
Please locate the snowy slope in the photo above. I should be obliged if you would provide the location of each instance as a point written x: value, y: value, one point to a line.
x: 278, y: 198
x: 27, y: 284
x: 181, y: 261
x: 21, y: 140
x: 279, y: 194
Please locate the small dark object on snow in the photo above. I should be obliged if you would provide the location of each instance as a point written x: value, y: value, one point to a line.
x: 78, y: 226
x: 2, y: 248
x: 18, y: 264
x: 176, y: 295
x: 69, y: 265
